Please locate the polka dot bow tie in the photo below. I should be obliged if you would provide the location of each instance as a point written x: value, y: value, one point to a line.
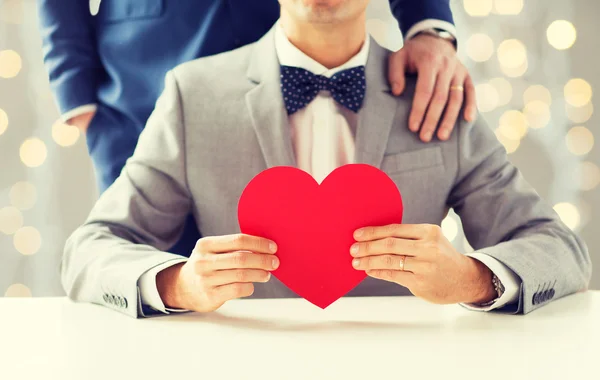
x: 300, y: 87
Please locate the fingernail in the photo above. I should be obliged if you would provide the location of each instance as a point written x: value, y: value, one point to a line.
x: 444, y: 134
x: 273, y: 247
x: 268, y: 276
x: 355, y: 263
x: 395, y: 88
x: 354, y: 249
x: 358, y: 233
x: 414, y: 127
x: 427, y: 136
x: 275, y: 263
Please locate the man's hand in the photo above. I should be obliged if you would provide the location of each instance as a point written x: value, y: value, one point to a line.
x: 220, y: 269
x: 433, y: 269
x: 441, y: 76
x: 82, y: 122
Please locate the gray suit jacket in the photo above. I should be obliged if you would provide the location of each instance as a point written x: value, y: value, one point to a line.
x: 221, y: 120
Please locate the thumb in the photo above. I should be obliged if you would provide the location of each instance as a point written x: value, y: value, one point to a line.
x: 397, y: 71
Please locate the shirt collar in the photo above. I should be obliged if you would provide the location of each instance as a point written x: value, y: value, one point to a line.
x: 290, y: 55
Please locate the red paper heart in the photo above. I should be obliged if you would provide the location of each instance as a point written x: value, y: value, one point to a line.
x: 313, y: 225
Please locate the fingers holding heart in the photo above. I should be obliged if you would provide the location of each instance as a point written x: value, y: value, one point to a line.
x: 236, y: 242
x: 237, y: 260
x: 386, y: 246
x: 406, y: 279
x: 388, y: 267
x: 405, y: 231
x: 229, y: 292
x: 396, y: 253
x: 386, y: 262
x: 232, y: 276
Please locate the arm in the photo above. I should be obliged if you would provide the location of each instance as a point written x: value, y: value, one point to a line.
x: 136, y: 219
x: 118, y: 259
x: 519, y: 238
x: 504, y: 218
x: 69, y: 47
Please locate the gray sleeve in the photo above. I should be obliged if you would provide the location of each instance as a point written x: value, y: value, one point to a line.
x: 139, y: 217
x: 505, y: 218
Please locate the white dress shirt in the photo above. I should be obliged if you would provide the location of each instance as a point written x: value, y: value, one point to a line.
x: 323, y: 131
x: 323, y: 140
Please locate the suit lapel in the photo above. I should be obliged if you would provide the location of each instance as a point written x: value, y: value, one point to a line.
x: 378, y: 112
x: 265, y: 104
x: 270, y: 120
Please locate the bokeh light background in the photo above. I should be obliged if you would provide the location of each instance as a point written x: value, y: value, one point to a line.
x: 535, y: 62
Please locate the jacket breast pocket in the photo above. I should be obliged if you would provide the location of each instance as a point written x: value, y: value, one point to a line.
x: 123, y: 10
x: 424, y: 183
x: 413, y: 160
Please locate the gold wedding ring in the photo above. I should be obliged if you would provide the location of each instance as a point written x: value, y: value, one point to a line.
x: 457, y: 88
x: 402, y: 260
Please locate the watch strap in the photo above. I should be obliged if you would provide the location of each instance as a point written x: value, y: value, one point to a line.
x: 499, y: 287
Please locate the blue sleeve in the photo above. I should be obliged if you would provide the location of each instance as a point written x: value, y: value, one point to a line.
x: 410, y: 12
x: 69, y: 48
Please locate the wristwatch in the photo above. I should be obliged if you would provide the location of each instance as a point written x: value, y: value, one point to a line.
x: 499, y: 287
x: 440, y: 33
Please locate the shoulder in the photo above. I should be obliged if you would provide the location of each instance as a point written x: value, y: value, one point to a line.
x: 214, y: 73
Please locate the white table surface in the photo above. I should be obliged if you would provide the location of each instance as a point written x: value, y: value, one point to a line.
x: 355, y: 338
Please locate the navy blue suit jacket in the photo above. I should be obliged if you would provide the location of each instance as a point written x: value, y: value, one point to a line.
x: 118, y: 58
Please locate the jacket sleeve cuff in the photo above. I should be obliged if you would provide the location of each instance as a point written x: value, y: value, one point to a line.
x: 77, y: 111
x: 410, y: 13
x: 120, y: 286
x: 148, y: 291
x: 430, y: 24
x: 74, y: 88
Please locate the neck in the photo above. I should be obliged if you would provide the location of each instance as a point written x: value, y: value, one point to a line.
x: 331, y: 45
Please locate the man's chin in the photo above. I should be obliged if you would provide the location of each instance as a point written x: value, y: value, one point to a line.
x: 323, y: 4
x: 325, y: 16
x: 322, y: 21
